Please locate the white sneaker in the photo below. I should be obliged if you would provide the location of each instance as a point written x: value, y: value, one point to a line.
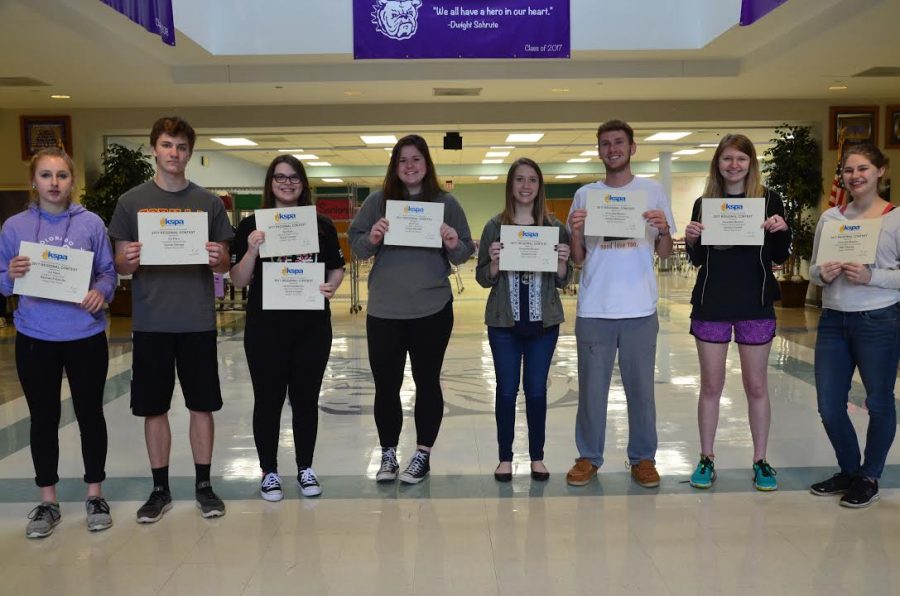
x: 270, y: 487
x: 308, y: 483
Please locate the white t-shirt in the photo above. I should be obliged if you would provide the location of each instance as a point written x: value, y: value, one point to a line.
x: 617, y: 278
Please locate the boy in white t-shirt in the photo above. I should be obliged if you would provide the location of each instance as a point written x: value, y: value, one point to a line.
x: 617, y: 313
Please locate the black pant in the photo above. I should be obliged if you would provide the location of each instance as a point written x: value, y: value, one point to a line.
x: 286, y: 359
x: 40, y: 365
x: 426, y: 341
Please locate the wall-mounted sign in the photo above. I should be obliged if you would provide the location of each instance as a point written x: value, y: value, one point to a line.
x: 153, y: 15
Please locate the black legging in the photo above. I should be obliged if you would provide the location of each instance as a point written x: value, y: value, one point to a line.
x: 426, y: 341
x: 287, y: 360
x: 40, y: 365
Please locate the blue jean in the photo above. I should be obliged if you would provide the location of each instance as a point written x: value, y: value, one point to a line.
x: 870, y: 341
x: 510, y: 351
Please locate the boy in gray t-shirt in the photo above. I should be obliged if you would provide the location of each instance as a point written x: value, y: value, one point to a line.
x: 174, y: 323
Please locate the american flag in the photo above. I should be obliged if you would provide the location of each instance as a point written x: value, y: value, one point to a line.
x: 838, y: 196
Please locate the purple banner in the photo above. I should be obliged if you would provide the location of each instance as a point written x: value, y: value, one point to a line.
x: 754, y: 10
x: 460, y: 29
x: 153, y: 15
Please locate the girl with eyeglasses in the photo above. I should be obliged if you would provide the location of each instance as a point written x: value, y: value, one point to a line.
x: 287, y: 350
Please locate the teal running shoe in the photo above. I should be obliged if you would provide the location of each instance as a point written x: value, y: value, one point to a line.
x: 705, y: 474
x: 764, y: 476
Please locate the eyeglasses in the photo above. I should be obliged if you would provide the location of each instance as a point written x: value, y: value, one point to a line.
x: 282, y: 178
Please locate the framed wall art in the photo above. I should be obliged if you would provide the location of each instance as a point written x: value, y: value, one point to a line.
x: 892, y: 127
x: 859, y: 124
x: 40, y: 132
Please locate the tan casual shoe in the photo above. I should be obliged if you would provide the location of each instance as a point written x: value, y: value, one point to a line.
x: 644, y: 473
x: 582, y: 472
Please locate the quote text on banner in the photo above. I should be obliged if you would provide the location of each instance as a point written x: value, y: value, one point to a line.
x: 155, y: 16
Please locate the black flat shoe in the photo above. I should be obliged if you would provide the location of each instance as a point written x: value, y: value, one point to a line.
x: 540, y: 476
x: 502, y: 476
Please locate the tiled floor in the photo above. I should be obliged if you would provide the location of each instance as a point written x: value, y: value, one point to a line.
x: 460, y: 532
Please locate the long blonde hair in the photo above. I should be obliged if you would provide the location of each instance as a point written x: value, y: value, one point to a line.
x: 50, y: 152
x: 715, y: 183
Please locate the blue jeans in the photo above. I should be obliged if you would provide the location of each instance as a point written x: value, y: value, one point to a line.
x: 509, y: 352
x: 870, y: 341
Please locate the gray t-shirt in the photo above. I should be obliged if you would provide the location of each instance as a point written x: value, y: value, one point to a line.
x: 171, y: 298
x: 409, y: 282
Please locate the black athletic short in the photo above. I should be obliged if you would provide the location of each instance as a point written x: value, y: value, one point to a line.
x: 155, y: 359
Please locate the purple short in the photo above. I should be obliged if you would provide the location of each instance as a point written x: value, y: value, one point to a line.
x: 752, y: 333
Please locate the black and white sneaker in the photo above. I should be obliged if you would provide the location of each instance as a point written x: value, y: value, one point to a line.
x: 389, y: 465
x: 209, y: 504
x: 836, y: 485
x: 42, y: 520
x: 417, y: 468
x: 861, y: 493
x: 156, y: 506
x: 308, y: 483
x: 270, y: 487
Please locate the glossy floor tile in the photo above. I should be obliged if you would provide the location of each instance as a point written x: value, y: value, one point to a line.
x: 460, y: 532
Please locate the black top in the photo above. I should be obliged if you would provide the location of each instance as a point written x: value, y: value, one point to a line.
x: 735, y: 283
x: 329, y: 253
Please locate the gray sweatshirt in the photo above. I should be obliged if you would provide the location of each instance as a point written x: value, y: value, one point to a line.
x: 409, y: 282
x: 884, y: 287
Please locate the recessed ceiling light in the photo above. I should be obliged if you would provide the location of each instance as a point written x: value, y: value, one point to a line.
x: 290, y: 151
x: 338, y: 180
x: 318, y: 163
x: 591, y: 153
x: 60, y: 97
x: 491, y: 161
x: 565, y: 176
x: 378, y: 139
x: 673, y: 158
x: 502, y: 147
x: 306, y: 156
x: 488, y: 177
x: 524, y: 137
x: 837, y: 87
x: 689, y: 152
x: 708, y: 145
x: 667, y: 136
x: 352, y: 93
x: 560, y: 90
x: 233, y: 141
x: 497, y: 154
x: 578, y: 160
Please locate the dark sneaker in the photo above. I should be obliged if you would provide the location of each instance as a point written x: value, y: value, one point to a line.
x: 207, y: 502
x: 156, y: 506
x: 309, y: 483
x: 836, y: 485
x: 389, y: 466
x: 764, y: 476
x: 98, y: 517
x: 42, y: 520
x: 861, y: 493
x: 417, y: 468
x: 270, y: 487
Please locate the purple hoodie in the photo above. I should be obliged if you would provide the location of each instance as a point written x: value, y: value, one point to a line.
x: 53, y: 320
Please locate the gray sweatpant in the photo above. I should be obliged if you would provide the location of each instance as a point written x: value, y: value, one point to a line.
x: 598, y: 341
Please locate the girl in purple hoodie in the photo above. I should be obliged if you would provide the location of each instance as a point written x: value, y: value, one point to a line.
x: 53, y: 336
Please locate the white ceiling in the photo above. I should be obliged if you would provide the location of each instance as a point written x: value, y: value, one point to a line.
x: 84, y: 49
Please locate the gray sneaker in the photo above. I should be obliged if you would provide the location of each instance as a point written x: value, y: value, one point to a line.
x: 208, y: 503
x: 98, y: 517
x: 43, y: 519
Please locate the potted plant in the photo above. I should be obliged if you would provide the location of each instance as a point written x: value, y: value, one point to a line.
x: 123, y: 169
x: 794, y: 170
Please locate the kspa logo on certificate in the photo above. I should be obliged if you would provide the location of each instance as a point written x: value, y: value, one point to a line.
x: 176, y: 238
x: 57, y: 272
x: 529, y: 248
x: 733, y: 222
x: 414, y: 223
x: 289, y: 231
x: 615, y: 213
x: 293, y: 286
x: 849, y: 241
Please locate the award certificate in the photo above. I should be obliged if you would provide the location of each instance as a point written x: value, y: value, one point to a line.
x: 529, y: 248
x: 289, y: 231
x: 733, y: 222
x: 57, y: 272
x: 173, y: 238
x: 414, y: 223
x: 293, y: 286
x: 615, y: 213
x: 849, y: 241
